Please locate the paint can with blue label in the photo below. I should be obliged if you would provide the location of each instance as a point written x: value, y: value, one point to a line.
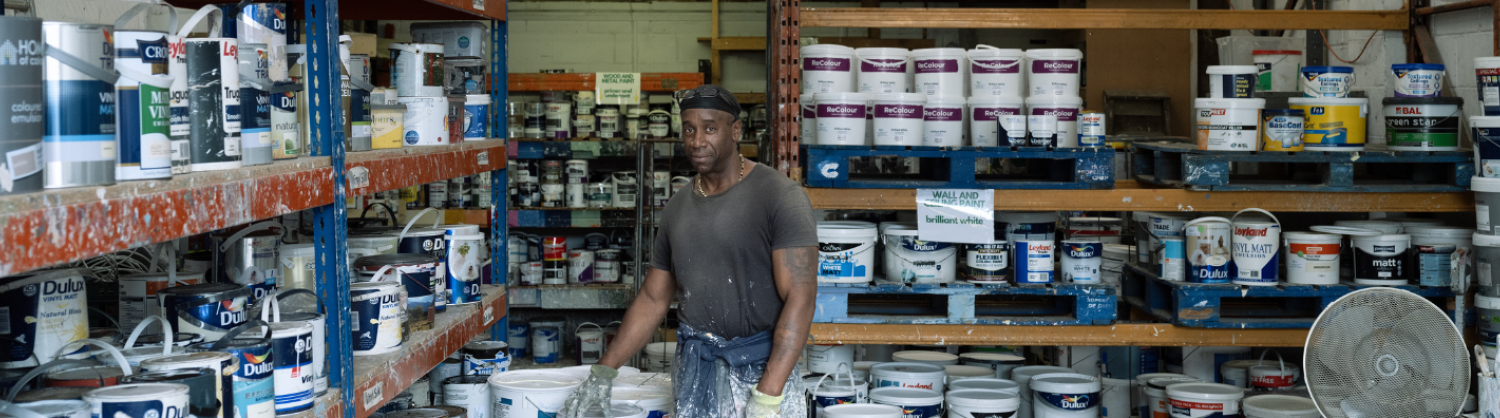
x: 417, y: 273
x: 1065, y: 395
x: 476, y: 117
x: 203, y: 393
x: 163, y: 400
x: 377, y: 314
x: 1034, y: 261
x: 546, y: 344
x: 1081, y: 261
x: 292, y: 355
x: 252, y: 385
x: 222, y: 363
x: 448, y: 368
x: 213, y: 103
x: 78, y: 130
x: 1255, y: 249
x: 485, y: 357
x: 1170, y: 262
x: 255, y: 106
x: 517, y: 336
x: 265, y: 23
x: 209, y: 309
x: 43, y: 312
x: 462, y: 266
x: 1206, y: 244
x: 142, y: 106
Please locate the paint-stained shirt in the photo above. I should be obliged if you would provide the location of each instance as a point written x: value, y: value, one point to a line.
x: 719, y: 250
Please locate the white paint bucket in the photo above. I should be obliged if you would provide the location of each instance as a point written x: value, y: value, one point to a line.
x: 1383, y: 260
x: 960, y: 372
x: 531, y: 393
x: 915, y: 403
x: 985, y: 384
x: 656, y: 401
x: 943, y: 121
x: 1255, y: 249
x: 1277, y: 69
x: 898, y: 118
x: 1228, y: 124
x: 984, y: 118
x: 1489, y: 312
x: 1280, y: 406
x: 883, y: 70
x: 1236, y: 373
x: 469, y: 392
x: 996, y: 72
x: 1487, y: 70
x: 167, y: 400
x: 1081, y: 261
x: 1312, y: 258
x: 809, y: 122
x: 1138, y: 393
x: 1418, y: 80
x: 1486, y: 194
x: 1486, y: 259
x: 846, y: 252
x: 911, y: 260
x: 1437, y: 249
x: 1332, y: 124
x: 1114, y: 398
x: 826, y: 358
x: 57, y: 302
x: 1202, y: 362
x: 1231, y: 81
x: 1066, y: 108
x: 426, y: 121
x: 1206, y: 243
x: 1001, y: 363
x: 71, y: 408
x: 939, y: 71
x: 1171, y: 261
x: 1022, y: 376
x: 976, y: 403
x: 841, y: 118
x: 1065, y: 395
x: 291, y: 348
x: 1272, y: 377
x: 925, y: 357
x: 827, y: 68
x: 659, y: 356
x: 908, y: 375
x: 1326, y: 81
x: 417, y: 70
x: 1156, y: 395
x: 1199, y: 400
x: 1422, y: 123
x: 378, y: 314
x: 863, y: 411
x: 1054, y: 72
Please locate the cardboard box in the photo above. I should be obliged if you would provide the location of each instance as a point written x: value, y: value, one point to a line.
x: 364, y: 43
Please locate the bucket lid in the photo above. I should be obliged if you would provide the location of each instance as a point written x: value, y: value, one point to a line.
x: 1382, y: 226
x: 536, y: 380
x: 1275, y: 52
x: 984, y: 398
x: 1023, y: 374
x: 992, y: 100
x: 1486, y: 302
x: 899, y: 98
x: 137, y: 391
x: 1384, y: 237
x: 1048, y: 100
x: 288, y: 329
x: 1459, y: 101
x: 1476, y: 121
x: 640, y: 393
x: 1419, y: 66
x: 892, y: 395
x: 1283, y: 112
x: 1054, y: 53
x: 1026, y: 217
x: 967, y: 372
x: 1205, y: 391
x: 56, y: 408
x: 1485, y: 184
x: 899, y: 229
x: 1486, y: 240
x: 1160, y: 383
x: 1327, y: 69
x: 923, y: 356
x: 1410, y: 222
x: 1273, y: 369
x: 1232, y: 69
x: 994, y: 357
x: 842, y: 97
x: 1346, y: 230
x: 868, y: 52
x: 1228, y: 103
x: 1328, y: 101
x: 827, y: 49
x: 862, y: 410
x: 1064, y: 383
x: 989, y: 384
x: 1310, y: 236
x: 938, y: 52
x: 899, y: 369
x: 847, y: 228
x: 1438, y: 231
x: 1143, y: 378
x: 1281, y: 405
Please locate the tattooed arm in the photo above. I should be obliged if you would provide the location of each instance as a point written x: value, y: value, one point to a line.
x: 796, y: 271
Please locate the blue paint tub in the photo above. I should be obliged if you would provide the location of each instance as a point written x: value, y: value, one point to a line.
x: 476, y: 117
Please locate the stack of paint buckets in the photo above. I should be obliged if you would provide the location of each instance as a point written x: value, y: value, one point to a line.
x: 416, y: 72
x: 1485, y: 133
x: 464, y: 45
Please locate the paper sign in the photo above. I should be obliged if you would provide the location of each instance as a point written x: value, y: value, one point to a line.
x: 359, y: 177
x: 373, y: 396
x: 617, y: 88
x: 956, y: 215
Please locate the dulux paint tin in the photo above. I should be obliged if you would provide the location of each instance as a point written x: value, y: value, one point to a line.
x: 846, y: 251
x: 1232, y: 81
x: 253, y: 382
x: 1204, y: 400
x: 984, y: 118
x: 1081, y: 260
x: 1054, y: 72
x: 911, y: 260
x: 203, y: 389
x: 1422, y: 123
x: 1384, y: 260
x: 1065, y: 108
x: 1418, y: 80
x: 291, y: 343
x: 461, y: 265
x: 1281, y: 129
x: 1206, y: 243
x: 863, y: 410
x: 1327, y: 81
x: 78, y: 146
x: 213, y: 103
x: 286, y: 129
x: 908, y: 375
x: 841, y: 118
x: 1332, y: 124
x: 1065, y: 395
x: 1171, y: 262
x: 471, y: 393
x: 422, y: 241
x: 164, y: 400
x: 939, y: 71
x: 1312, y: 258
x: 530, y: 393
x: 1022, y: 376
x: 1230, y: 124
x: 546, y: 344
x: 222, y: 363
x: 914, y: 402
x: 377, y: 313
x: 996, y: 72
x: 827, y: 68
x: 485, y: 357
x: 1256, y: 249
x: 255, y: 108
x: 898, y: 118
x: 883, y: 70
x: 417, y: 69
x: 417, y: 273
x: 44, y: 311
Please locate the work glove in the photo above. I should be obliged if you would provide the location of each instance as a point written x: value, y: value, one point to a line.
x: 593, y: 393
x: 763, y: 406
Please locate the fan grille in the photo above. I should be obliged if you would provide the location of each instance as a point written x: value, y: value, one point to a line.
x: 1382, y: 352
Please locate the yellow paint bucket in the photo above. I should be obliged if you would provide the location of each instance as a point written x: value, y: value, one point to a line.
x: 1333, y: 124
x: 387, y: 124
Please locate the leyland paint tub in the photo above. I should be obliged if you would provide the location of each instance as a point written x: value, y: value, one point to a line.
x: 1326, y: 81
x: 213, y: 103
x: 940, y: 71
x: 1422, y: 123
x: 909, y: 376
x: 1383, y: 260
x: 1201, y: 400
x: 979, y: 403
x: 1232, y: 81
x: 898, y: 119
x: 1487, y: 71
x: 1486, y: 260
x: 943, y: 121
x: 846, y: 252
x: 1332, y: 124
x: 1054, y: 72
x: 1418, y: 80
x: 1312, y: 258
x: 826, y: 358
x: 1002, y: 363
x: 1022, y: 376
x: 1065, y: 108
x: 1437, y: 247
x: 1065, y: 395
x: 915, y: 403
x: 1228, y: 124
x: 984, y: 117
x: 996, y: 72
x: 908, y: 259
x: 827, y: 68
x: 1278, y: 69
x: 1256, y: 249
x: 841, y: 118
x: 44, y: 311
x: 856, y: 410
x: 1281, y: 129
x: 1486, y: 194
x: 1206, y: 243
x: 882, y: 70
x: 1279, y: 406
x: 531, y: 393
x: 165, y: 400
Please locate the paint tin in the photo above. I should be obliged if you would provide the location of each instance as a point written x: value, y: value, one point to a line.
x: 1281, y: 129
x: 942, y: 121
x: 387, y: 123
x: 253, y: 381
x: 251, y: 261
x: 164, y: 400
x: 203, y: 390
x: 912, y: 260
x: 914, y: 403
x: 993, y: 72
x: 360, y: 133
x: 1312, y: 258
x: 1228, y: 124
x: 1203, y: 400
x: 255, y: 109
x: 319, y: 333
x: 209, y: 309
x: 450, y: 367
x: 558, y: 117
x: 286, y: 135
x: 1327, y: 81
x: 1081, y: 261
x: 546, y: 344
x: 846, y: 251
x: 1383, y: 260
x: 71, y: 408
x: 142, y: 101
x: 1034, y: 261
x: 79, y: 142
x: 422, y: 241
x: 485, y: 357
x: 417, y: 70
x: 417, y: 273
x: 884, y: 70
x: 222, y: 363
x: 1091, y: 129
x: 476, y: 117
x: 1422, y: 123
x: 265, y: 23
x: 138, y: 294
x: 1438, y: 249
x: 607, y: 266
x: 378, y: 314
x: 1206, y: 244
x: 43, y: 312
x: 1332, y: 124
x: 988, y: 263
x: 426, y: 121
x: 213, y: 103
x: 1064, y: 395
x: 291, y: 345
x: 827, y: 68
x: 472, y: 393
x: 88, y: 376
x: 580, y: 267
x: 462, y: 263
x: 1231, y: 81
x: 516, y: 336
x: 590, y: 343
x: 1043, y: 109
x: 1170, y: 262
x: 1255, y: 250
x: 1273, y: 377
x: 1418, y: 80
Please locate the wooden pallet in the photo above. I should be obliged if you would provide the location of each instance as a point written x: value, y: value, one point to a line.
x: 963, y: 303
x: 1183, y: 165
x: 1235, y: 306
x: 1034, y: 167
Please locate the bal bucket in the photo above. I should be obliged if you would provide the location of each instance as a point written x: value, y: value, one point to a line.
x: 1422, y: 123
x: 996, y: 72
x: 882, y: 70
x: 939, y: 71
x: 1255, y: 252
x: 827, y: 68
x: 846, y: 251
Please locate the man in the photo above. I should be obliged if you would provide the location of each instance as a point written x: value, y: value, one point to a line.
x: 737, y: 247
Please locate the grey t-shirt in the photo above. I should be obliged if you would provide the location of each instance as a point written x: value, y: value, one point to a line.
x: 719, y: 249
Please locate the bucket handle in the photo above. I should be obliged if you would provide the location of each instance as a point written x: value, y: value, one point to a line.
x: 1208, y: 219
x: 235, y: 333
x: 38, y: 371
x: 137, y: 9
x: 580, y: 326
x: 1278, y: 359
x: 848, y: 371
x: 380, y: 274
x: 413, y: 221
x: 243, y: 232
x: 107, y: 76
x: 119, y: 357
x: 272, y: 311
x: 18, y: 411
x: 388, y: 211
x: 864, y: 60
x: 995, y: 67
x: 1237, y: 215
x: 357, y: 83
x: 214, y: 28
x: 166, y: 347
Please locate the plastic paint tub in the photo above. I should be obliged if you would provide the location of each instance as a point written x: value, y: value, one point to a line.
x: 417, y: 69
x: 1255, y: 250
x: 1066, y: 108
x: 1002, y: 363
x: 860, y: 410
x: 958, y: 372
x: 1486, y: 260
x: 1436, y: 247
x: 141, y: 399
x: 1171, y: 260
x: 925, y: 357
x: 1195, y: 400
x: 882, y: 70
x: 841, y: 118
x: 1278, y: 69
x: 1280, y: 406
x: 1422, y: 123
x: 940, y: 71
x: 1228, y: 124
x: 984, y: 118
x: 1327, y: 81
x: 1332, y: 124
x: 1206, y: 243
x: 1270, y: 377
x: 1383, y: 226
x: 1487, y: 71
x: 986, y: 384
x: 1281, y: 129
x: 1237, y: 372
x: 1081, y: 261
x: 657, y: 403
x: 59, y: 408
x: 908, y: 375
x: 1231, y: 81
x: 1065, y: 395
x: 659, y: 356
x: 1418, y: 80
x: 1022, y: 376
x: 898, y: 118
x: 1139, y: 397
x: 529, y: 393
x: 1485, y: 132
x: 1383, y: 260
x: 915, y: 403
x: 1054, y: 72
x: 426, y: 121
x: 1312, y: 258
x: 943, y: 121
x: 1489, y: 314
x: 911, y: 260
x: 996, y: 72
x: 827, y: 68
x: 1156, y: 395
x: 826, y: 358
x: 1486, y: 193
x: 973, y: 403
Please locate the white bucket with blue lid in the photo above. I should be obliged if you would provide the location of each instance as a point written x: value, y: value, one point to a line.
x: 1256, y: 249
x: 915, y: 403
x: 1065, y: 395
x: 911, y: 260
x: 846, y: 251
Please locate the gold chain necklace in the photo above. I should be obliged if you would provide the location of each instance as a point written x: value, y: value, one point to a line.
x: 698, y: 185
